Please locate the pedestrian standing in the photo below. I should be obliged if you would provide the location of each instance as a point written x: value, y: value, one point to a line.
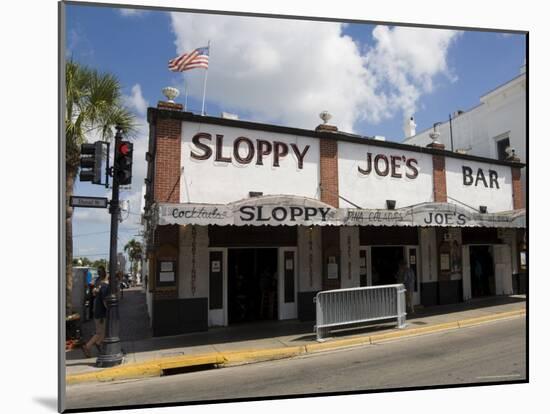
x: 101, y: 291
x: 407, y: 277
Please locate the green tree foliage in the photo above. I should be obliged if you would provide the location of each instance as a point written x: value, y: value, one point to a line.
x: 93, y: 107
x: 135, y: 252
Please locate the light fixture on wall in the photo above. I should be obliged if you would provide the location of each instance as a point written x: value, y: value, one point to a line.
x: 390, y: 204
x: 255, y: 194
x: 483, y: 209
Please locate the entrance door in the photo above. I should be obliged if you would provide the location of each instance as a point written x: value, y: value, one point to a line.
x: 385, y: 264
x: 287, y: 283
x: 252, y: 284
x: 482, y: 271
x: 412, y: 259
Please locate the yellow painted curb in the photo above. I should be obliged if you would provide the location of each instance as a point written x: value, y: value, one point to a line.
x: 482, y: 319
x: 151, y: 368
x: 233, y: 357
x: 154, y: 368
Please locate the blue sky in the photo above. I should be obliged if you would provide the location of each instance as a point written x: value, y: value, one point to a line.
x: 283, y: 72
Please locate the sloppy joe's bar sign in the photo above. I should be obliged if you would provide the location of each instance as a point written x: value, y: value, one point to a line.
x: 306, y: 214
x: 245, y: 150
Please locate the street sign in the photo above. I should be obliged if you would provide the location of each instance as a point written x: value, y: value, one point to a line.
x: 94, y: 202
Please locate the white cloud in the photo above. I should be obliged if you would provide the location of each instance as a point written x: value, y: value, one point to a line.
x: 288, y: 71
x: 135, y: 102
x: 406, y: 60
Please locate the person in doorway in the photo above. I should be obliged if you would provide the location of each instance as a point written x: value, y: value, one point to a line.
x: 101, y: 291
x: 89, y: 294
x: 407, y: 277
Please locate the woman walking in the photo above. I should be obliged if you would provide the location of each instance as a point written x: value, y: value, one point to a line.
x: 101, y: 291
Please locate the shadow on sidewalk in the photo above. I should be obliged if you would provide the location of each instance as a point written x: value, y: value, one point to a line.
x: 138, y: 336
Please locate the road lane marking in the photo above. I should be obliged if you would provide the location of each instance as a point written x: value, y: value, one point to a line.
x: 499, y: 376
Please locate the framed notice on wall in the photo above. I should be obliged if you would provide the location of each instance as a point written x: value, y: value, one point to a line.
x: 332, y: 271
x: 444, y: 261
x: 166, y: 272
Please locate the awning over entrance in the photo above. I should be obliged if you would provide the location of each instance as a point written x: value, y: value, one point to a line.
x: 294, y: 211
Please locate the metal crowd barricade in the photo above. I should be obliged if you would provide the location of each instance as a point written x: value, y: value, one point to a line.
x: 343, y: 307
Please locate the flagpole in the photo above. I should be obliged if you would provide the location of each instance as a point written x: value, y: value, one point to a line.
x: 205, y: 78
x: 185, y: 83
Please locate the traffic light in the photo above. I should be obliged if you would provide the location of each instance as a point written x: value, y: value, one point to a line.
x: 123, y: 162
x: 90, y: 162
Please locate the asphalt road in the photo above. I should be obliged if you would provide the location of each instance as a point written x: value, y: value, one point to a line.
x: 486, y: 353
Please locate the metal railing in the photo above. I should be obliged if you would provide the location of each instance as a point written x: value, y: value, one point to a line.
x: 343, y: 307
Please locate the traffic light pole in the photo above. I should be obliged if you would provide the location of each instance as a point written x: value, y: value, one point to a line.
x: 111, y: 352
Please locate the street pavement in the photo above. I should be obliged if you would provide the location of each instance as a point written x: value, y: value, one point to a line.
x: 492, y: 352
x: 140, y: 346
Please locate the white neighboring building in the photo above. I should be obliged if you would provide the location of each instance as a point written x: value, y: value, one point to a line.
x: 498, y: 122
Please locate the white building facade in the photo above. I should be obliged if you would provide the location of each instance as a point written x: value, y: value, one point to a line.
x: 248, y: 222
x: 498, y: 122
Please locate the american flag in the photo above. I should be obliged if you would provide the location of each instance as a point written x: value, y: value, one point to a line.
x: 198, y: 58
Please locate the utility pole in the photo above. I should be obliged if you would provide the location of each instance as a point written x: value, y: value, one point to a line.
x: 111, y: 352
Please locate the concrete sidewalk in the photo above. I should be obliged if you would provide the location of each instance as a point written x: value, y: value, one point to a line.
x: 149, y: 356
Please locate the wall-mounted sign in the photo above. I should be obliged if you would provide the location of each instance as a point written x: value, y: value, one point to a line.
x: 167, y: 277
x: 166, y: 266
x: 293, y: 211
x: 332, y: 271
x: 166, y: 272
x: 485, y: 178
x: 245, y: 150
x: 395, y: 166
x: 94, y: 202
x: 216, y: 266
x: 289, y: 264
x: 444, y: 261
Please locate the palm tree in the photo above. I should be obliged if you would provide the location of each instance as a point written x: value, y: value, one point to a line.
x: 93, y: 107
x: 135, y: 251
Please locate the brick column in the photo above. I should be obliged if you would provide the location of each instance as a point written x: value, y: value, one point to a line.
x: 439, y: 174
x: 516, y: 188
x: 328, y: 166
x: 167, y: 154
x: 328, y: 182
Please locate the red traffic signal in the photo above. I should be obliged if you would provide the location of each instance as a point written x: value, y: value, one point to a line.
x: 124, y: 148
x: 123, y: 162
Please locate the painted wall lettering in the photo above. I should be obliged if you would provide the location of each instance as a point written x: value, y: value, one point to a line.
x: 206, y: 150
x: 395, y: 166
x: 282, y: 213
x: 244, y: 150
x: 444, y: 219
x: 469, y: 179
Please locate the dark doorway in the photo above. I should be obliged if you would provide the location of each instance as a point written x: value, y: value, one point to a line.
x: 482, y: 271
x: 385, y: 264
x: 252, y: 283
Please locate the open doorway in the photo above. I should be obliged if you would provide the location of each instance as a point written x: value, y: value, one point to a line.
x: 482, y: 271
x: 385, y: 264
x: 252, y: 284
